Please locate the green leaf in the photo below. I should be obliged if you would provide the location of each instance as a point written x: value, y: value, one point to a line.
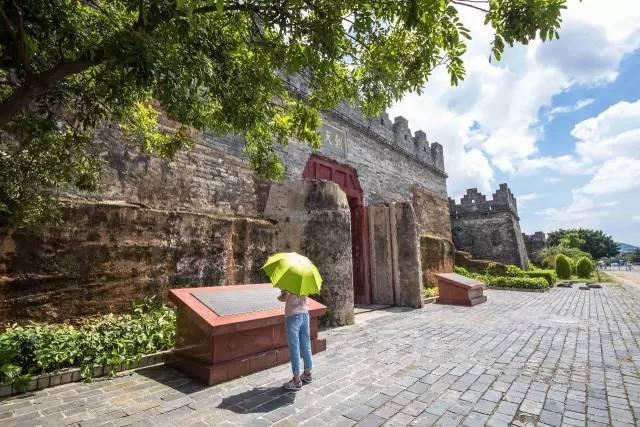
x: 10, y: 371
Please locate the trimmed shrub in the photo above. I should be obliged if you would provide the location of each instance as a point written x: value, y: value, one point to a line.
x: 584, y: 267
x: 464, y: 272
x: 563, y: 267
x: 573, y: 263
x: 508, y: 282
x: 514, y: 271
x: 549, y: 275
x: 494, y: 269
x: 461, y: 271
x: 548, y: 255
x: 516, y: 282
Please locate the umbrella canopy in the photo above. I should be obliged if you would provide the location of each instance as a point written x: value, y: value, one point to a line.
x: 293, y: 273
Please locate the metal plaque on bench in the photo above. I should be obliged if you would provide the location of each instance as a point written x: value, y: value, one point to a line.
x: 238, y: 301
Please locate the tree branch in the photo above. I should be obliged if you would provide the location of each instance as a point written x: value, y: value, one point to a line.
x: 34, y: 87
x: 18, y: 37
x: 464, y: 3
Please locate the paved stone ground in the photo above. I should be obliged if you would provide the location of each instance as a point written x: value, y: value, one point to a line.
x: 567, y: 357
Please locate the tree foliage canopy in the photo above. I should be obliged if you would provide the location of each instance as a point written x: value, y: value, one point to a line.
x: 68, y: 66
x: 594, y: 242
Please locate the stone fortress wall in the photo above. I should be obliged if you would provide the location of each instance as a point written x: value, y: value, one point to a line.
x: 198, y: 219
x: 489, y: 229
x: 534, y: 243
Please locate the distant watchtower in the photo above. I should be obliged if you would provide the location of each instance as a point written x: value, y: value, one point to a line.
x: 489, y: 229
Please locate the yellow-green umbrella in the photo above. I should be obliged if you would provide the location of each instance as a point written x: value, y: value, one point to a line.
x: 293, y: 273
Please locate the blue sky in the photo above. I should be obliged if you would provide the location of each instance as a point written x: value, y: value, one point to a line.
x: 559, y: 122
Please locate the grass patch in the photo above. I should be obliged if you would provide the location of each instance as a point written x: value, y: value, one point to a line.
x: 595, y: 277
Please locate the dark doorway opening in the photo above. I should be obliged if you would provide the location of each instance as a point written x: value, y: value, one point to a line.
x: 346, y: 177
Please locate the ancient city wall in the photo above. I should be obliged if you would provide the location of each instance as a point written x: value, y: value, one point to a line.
x: 107, y: 255
x: 195, y: 220
x: 205, y: 178
x: 489, y: 229
x: 534, y: 243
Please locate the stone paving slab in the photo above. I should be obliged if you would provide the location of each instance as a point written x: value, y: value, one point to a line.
x: 567, y: 357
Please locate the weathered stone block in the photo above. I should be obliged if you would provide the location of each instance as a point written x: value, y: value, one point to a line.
x: 465, y: 260
x: 408, y: 248
x: 396, y: 275
x: 437, y: 256
x: 208, y: 178
x: 108, y: 255
x: 381, y: 255
x: 313, y: 218
x: 432, y: 213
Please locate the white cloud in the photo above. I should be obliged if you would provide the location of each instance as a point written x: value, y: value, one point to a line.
x: 501, y: 100
x: 609, y: 145
x: 583, y: 52
x: 616, y: 175
x: 580, y: 104
x: 493, y: 121
x: 582, y: 212
x: 636, y: 218
x: 524, y: 198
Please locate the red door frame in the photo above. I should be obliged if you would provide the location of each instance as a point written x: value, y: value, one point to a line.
x: 346, y: 177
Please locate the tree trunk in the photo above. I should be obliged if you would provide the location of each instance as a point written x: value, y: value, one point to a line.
x: 35, y: 87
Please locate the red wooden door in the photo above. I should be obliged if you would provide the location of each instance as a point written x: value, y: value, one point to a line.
x: 347, y: 178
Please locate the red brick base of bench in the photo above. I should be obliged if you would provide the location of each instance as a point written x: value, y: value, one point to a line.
x: 214, y: 349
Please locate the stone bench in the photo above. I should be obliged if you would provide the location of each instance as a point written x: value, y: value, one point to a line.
x: 459, y: 290
x: 225, y: 332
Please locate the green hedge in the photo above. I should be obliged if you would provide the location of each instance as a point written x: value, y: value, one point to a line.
x: 516, y: 282
x: 106, y: 341
x: 506, y: 281
x: 563, y: 266
x: 549, y: 275
x: 584, y: 267
x: 464, y: 272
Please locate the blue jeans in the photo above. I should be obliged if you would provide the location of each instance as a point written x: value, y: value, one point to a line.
x: 299, y: 339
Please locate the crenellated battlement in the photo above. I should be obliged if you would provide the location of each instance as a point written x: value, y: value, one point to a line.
x: 474, y: 203
x: 395, y: 134
x: 489, y: 229
x: 538, y: 236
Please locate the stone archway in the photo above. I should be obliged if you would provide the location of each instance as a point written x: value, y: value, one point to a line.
x: 346, y: 177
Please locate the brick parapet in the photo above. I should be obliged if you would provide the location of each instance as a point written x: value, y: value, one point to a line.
x: 474, y: 203
x: 396, y: 134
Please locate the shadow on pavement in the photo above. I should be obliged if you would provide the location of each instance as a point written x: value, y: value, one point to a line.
x: 260, y: 399
x: 173, y: 378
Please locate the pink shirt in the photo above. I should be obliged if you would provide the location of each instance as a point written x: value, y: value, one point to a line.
x: 295, y: 304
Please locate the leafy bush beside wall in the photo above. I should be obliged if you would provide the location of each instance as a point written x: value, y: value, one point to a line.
x: 507, y: 281
x: 549, y: 275
x: 563, y: 266
x: 516, y: 282
x: 106, y: 341
x: 584, y: 267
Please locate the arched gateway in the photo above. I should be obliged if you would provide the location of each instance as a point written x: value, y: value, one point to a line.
x: 346, y: 177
